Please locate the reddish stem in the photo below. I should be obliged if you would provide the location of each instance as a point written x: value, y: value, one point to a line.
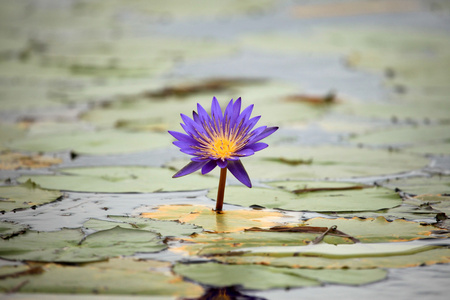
x: 221, y: 190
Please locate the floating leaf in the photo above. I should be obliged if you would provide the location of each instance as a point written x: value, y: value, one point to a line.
x: 210, y: 244
x: 69, y: 245
x: 8, y: 229
x: 367, y: 199
x: 228, y: 221
x: 357, y: 256
x: 406, y: 136
x: 258, y: 277
x: 378, y: 230
x: 248, y: 276
x: 120, y: 180
x: 101, y: 142
x: 421, y: 185
x: 8, y: 133
x: 14, y: 161
x: 122, y: 276
x: 26, y: 195
x: 328, y: 162
x: 165, y: 228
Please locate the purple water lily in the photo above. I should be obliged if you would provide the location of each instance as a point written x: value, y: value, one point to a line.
x: 221, y: 139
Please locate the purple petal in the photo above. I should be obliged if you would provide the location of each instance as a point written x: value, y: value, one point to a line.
x: 245, y: 152
x: 237, y: 169
x: 256, y: 132
x: 264, y: 134
x: 245, y: 115
x: 228, y: 110
x: 190, y: 168
x: 203, y: 114
x: 189, y: 151
x: 209, y: 167
x: 191, y: 127
x: 216, y: 111
x: 182, y: 144
x: 198, y: 159
x: 222, y: 163
x: 196, y: 118
x: 236, y: 111
x: 182, y: 137
x: 257, y: 146
x: 251, y: 123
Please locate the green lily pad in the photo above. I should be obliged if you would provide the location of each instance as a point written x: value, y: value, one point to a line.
x: 120, y: 180
x: 228, y: 221
x: 8, y: 229
x: 26, y: 195
x: 364, y: 256
x: 256, y: 277
x: 353, y: 230
x: 252, y: 277
x: 421, y: 185
x: 141, y: 113
x: 165, y: 228
x: 366, y: 199
x: 122, y: 276
x: 404, y: 110
x: 294, y: 162
x: 378, y: 230
x: 406, y: 136
x: 212, y: 244
x: 101, y: 142
x: 8, y: 133
x: 69, y: 245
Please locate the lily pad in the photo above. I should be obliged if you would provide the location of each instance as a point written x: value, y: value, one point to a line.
x: 357, y: 256
x: 8, y: 229
x: 378, y: 230
x: 365, y: 199
x: 115, y: 277
x: 251, y: 277
x: 70, y: 245
x: 421, y: 185
x: 120, y: 180
x: 213, y: 244
x: 294, y: 162
x: 8, y: 133
x: 89, y: 142
x: 228, y: 221
x: 257, y: 277
x: 165, y: 228
x: 14, y: 161
x: 406, y: 136
x: 26, y: 195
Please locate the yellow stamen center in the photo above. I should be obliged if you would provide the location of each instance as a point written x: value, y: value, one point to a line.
x: 222, y: 148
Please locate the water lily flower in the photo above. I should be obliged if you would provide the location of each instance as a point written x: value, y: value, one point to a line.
x: 220, y: 139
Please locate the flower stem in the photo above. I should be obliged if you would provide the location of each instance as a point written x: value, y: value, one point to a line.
x: 221, y: 190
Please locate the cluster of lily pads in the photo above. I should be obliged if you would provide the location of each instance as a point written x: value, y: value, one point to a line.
x: 318, y: 214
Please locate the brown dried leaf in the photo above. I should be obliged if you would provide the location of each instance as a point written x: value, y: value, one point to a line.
x: 14, y: 161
